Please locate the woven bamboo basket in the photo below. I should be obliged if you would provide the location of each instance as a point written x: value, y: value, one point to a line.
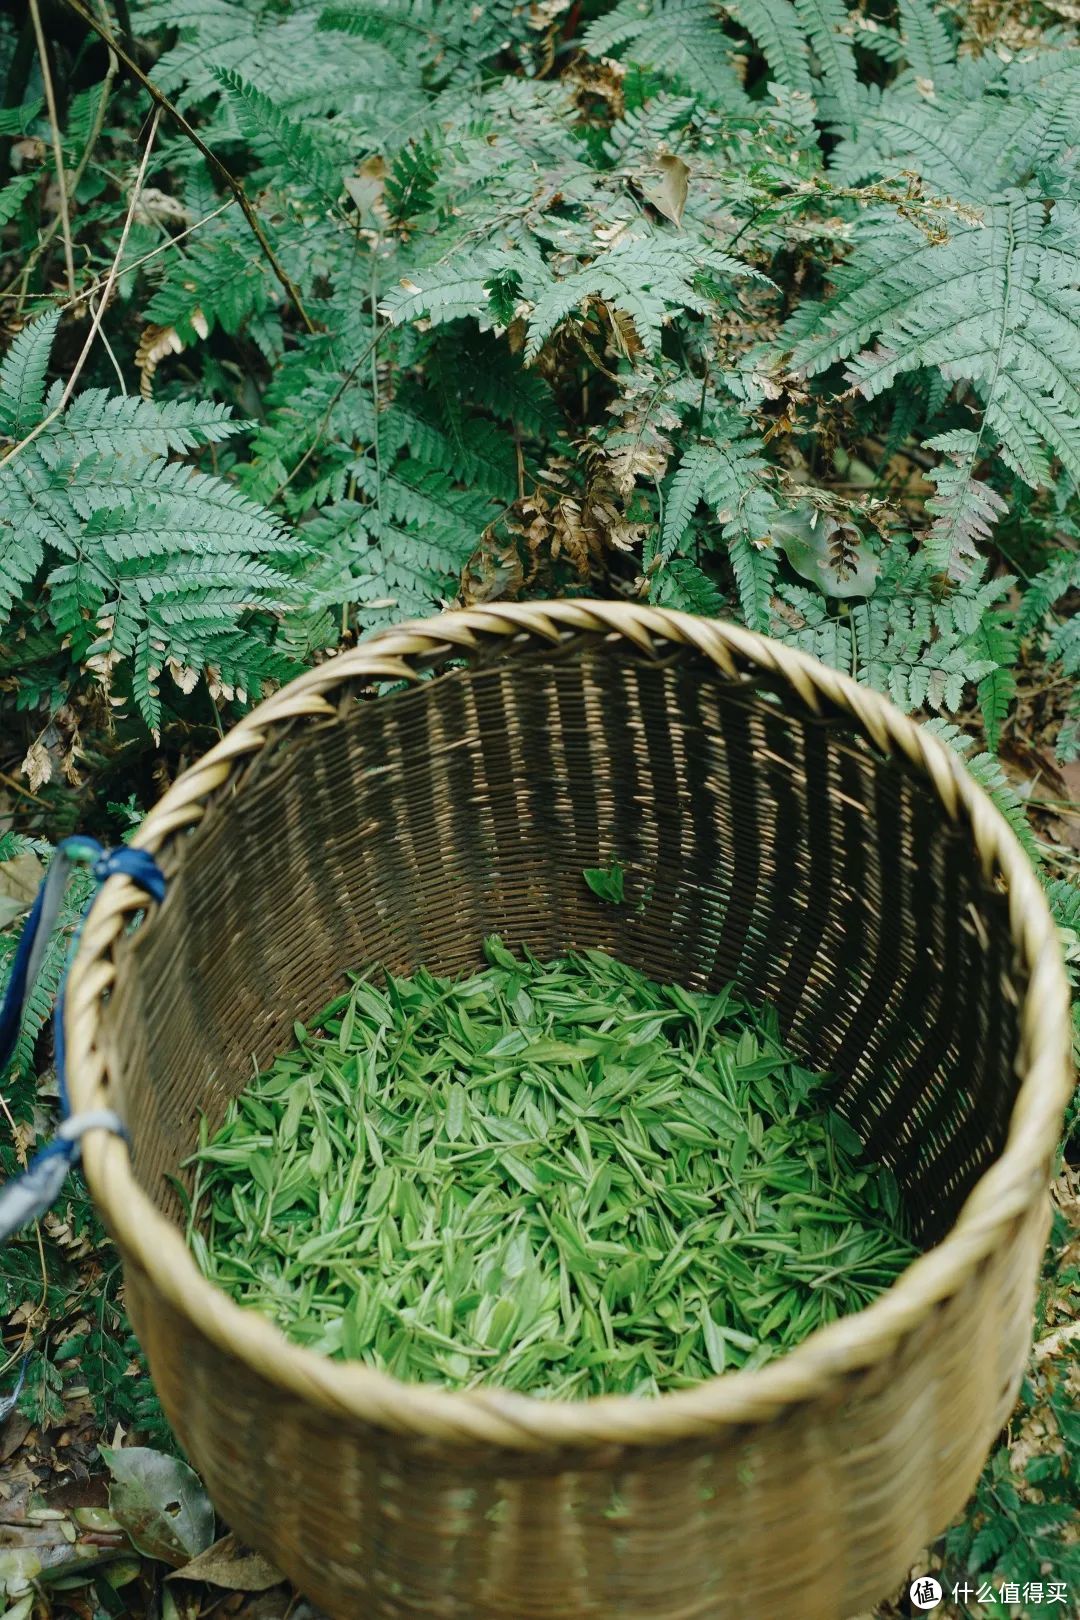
x: 449, y: 779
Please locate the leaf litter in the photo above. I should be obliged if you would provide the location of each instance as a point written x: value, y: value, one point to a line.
x: 557, y: 1177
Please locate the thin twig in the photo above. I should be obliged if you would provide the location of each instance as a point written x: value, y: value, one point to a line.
x: 110, y: 282
x: 224, y: 174
x: 162, y: 247
x: 99, y: 121
x: 17, y: 787
x: 88, y: 151
x: 99, y: 315
x: 57, y: 146
x: 375, y: 400
x: 109, y: 351
x: 28, y: 1329
x: 346, y: 382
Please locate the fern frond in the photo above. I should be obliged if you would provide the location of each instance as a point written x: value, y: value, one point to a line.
x: 639, y: 132
x: 682, y: 584
x: 870, y: 633
x: 486, y: 373
x: 476, y: 453
x: 17, y: 120
x: 1064, y: 898
x: 97, y: 424
x: 774, y: 26
x: 680, y: 38
x: 14, y: 194
x: 192, y: 498
x: 378, y: 569
x: 136, y: 558
x: 1061, y: 575
x: 754, y: 564
x: 1012, y: 135
x: 309, y: 158
x: 283, y: 52
x: 987, y: 771
x: 409, y: 20
x: 686, y: 490
x: 728, y: 476
x: 964, y: 509
x: 22, y: 541
x: 440, y: 293
x: 645, y: 277
x: 22, y: 375
x: 146, y: 667
x: 895, y: 132
x: 996, y: 304
x: 997, y: 689
x: 219, y: 279
x: 826, y: 25
x: 928, y: 49
x: 412, y: 493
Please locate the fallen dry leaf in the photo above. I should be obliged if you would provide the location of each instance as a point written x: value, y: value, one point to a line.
x: 229, y: 1564
x: 20, y: 879
x: 668, y: 195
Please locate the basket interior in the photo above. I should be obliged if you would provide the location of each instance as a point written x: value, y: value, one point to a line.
x: 766, y: 845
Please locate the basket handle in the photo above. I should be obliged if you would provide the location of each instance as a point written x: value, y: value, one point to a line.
x: 29, y: 1195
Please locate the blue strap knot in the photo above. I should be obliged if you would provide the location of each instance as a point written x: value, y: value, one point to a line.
x: 28, y: 1196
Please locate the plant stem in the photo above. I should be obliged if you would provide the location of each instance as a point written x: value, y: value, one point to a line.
x: 223, y: 173
x: 99, y: 314
x: 57, y: 145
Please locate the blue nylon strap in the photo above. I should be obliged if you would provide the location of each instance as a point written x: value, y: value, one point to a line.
x: 29, y: 1195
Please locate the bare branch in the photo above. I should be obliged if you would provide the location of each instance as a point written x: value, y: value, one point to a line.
x: 99, y: 313
x: 224, y: 174
x: 57, y: 145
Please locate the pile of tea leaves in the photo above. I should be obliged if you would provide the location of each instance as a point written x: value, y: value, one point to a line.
x: 558, y: 1177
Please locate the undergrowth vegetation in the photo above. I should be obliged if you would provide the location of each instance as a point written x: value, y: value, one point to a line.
x: 316, y: 316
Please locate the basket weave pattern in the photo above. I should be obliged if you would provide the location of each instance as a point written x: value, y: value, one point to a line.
x: 800, y: 836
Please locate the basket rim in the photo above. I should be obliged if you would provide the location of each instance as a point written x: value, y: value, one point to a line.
x: 820, y: 1367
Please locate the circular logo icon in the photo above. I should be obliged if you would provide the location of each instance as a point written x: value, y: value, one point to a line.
x: 925, y: 1592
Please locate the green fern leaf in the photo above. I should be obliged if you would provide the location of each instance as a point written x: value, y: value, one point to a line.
x: 22, y: 542
x: 97, y: 424
x: 22, y: 375
x: 895, y: 132
x: 680, y: 38
x: 145, y: 672
x: 754, y: 565
x: 928, y: 49
x: 987, y: 771
x: 686, y: 490
x: 826, y: 26
x: 728, y: 476
x: 136, y: 558
x: 218, y: 278
x: 312, y: 160
x: 964, y: 509
x: 994, y: 305
x: 17, y: 120
x: 14, y: 194
x: 682, y: 584
x: 1064, y: 898
x: 644, y: 277
x: 1061, y: 575
x: 441, y: 293
x: 774, y: 25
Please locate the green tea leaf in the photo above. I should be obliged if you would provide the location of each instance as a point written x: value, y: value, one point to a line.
x: 606, y: 882
x: 555, y: 1176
